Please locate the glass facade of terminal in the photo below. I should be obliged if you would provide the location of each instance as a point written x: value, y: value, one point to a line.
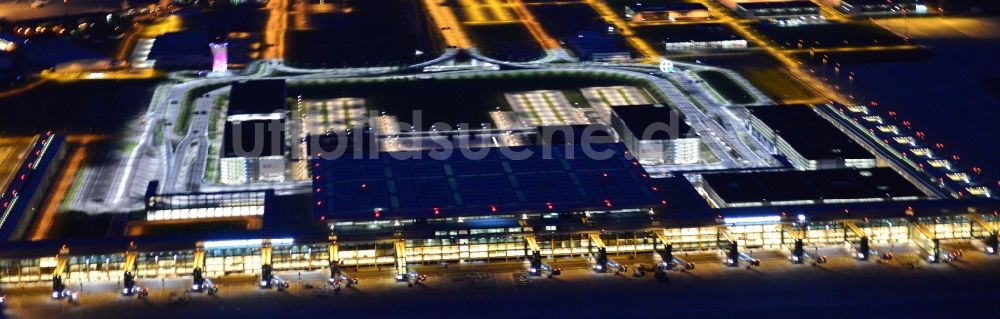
x: 502, y: 244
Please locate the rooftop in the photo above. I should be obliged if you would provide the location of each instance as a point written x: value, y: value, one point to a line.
x: 257, y: 137
x: 808, y: 134
x: 639, y: 118
x: 181, y: 43
x: 881, y: 2
x: 777, y: 5
x: 588, y: 43
x: 683, y: 6
x: 257, y: 96
x: 838, y: 184
x: 350, y: 188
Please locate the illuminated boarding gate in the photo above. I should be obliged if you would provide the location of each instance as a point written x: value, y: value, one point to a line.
x: 492, y: 244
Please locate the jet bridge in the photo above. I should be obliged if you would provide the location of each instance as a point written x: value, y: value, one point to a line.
x: 799, y: 254
x: 62, y: 263
x: 601, y: 261
x: 267, y: 277
x: 669, y: 260
x: 199, y: 282
x: 925, y: 238
x: 337, y: 276
x: 730, y: 246
x: 130, y: 269
x: 403, y: 272
x: 863, y: 250
x: 991, y: 239
x: 537, y: 267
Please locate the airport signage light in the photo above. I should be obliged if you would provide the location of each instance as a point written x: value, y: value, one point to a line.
x: 752, y: 220
x: 242, y: 243
x: 666, y: 66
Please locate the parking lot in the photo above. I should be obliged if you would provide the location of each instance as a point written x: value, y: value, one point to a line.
x: 603, y: 98
x: 545, y: 107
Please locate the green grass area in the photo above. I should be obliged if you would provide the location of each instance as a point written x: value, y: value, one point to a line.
x: 217, y: 111
x: 706, y: 156
x: 129, y: 146
x: 183, y: 118
x: 211, y: 166
x: 777, y: 84
x: 764, y: 72
x: 729, y: 89
x: 158, y: 138
x: 187, y: 108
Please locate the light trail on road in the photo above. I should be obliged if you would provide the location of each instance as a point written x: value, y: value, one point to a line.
x: 274, y: 30
x: 448, y: 25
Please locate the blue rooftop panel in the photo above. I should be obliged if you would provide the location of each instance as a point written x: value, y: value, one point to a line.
x: 459, y: 186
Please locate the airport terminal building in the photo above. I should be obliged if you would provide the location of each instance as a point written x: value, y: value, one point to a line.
x: 253, y: 145
x: 807, y: 141
x: 784, y: 188
x: 778, y: 9
x: 882, y: 7
x: 656, y: 134
x: 667, y: 12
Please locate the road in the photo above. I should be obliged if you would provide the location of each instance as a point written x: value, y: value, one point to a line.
x: 187, y: 171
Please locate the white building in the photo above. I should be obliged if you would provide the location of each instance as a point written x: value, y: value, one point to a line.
x: 655, y: 134
x: 253, y: 146
x: 808, y: 141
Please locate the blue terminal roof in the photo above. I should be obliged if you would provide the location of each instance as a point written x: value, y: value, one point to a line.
x: 18, y: 195
x: 350, y: 188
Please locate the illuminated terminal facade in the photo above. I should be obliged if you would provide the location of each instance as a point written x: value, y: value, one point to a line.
x: 416, y: 233
x: 406, y: 209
